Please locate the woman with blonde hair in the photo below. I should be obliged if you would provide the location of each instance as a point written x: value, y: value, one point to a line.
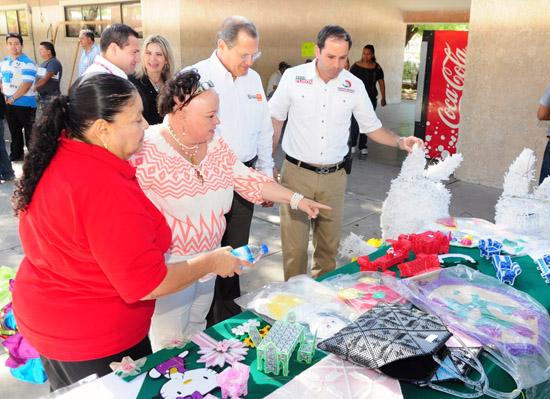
x: 155, y: 69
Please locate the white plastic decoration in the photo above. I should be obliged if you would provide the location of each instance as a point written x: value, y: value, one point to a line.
x: 417, y: 195
x: 521, y: 211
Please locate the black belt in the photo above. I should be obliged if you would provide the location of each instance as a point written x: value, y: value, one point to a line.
x: 322, y: 170
x: 251, y: 163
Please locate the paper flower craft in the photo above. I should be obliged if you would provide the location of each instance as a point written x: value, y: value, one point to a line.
x: 127, y: 367
x: 217, y: 353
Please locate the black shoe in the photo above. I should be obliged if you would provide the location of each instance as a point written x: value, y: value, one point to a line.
x: 8, y: 178
x: 16, y: 159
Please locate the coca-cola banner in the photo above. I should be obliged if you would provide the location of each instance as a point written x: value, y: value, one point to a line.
x: 445, y: 95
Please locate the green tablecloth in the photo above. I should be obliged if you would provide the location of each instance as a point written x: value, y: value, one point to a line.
x: 261, y: 384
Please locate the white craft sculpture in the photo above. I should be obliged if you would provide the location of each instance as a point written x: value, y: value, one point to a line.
x: 518, y: 209
x: 417, y: 195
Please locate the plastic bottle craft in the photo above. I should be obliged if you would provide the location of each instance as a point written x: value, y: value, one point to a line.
x: 417, y: 195
x: 521, y: 211
x: 543, y: 264
x: 507, y: 271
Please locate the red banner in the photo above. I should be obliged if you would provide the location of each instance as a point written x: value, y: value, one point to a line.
x: 447, y: 83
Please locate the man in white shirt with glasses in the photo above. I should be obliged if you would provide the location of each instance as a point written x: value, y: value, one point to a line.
x: 245, y: 124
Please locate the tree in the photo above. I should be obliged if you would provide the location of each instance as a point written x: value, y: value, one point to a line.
x: 420, y: 28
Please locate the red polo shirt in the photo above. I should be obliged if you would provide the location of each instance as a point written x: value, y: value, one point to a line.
x: 94, y: 245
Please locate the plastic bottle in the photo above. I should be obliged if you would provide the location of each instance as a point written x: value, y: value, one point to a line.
x: 251, y: 253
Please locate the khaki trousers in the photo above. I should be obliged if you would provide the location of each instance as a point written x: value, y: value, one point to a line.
x: 328, y: 189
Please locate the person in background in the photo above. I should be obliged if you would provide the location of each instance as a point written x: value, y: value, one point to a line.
x: 543, y: 114
x: 94, y: 244
x: 246, y: 127
x: 90, y: 50
x: 49, y: 74
x: 275, y: 78
x: 154, y: 70
x: 119, y: 46
x: 370, y: 73
x: 18, y: 74
x: 319, y: 99
x: 6, y: 170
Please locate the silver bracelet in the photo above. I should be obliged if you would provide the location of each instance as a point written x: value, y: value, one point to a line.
x: 294, y: 200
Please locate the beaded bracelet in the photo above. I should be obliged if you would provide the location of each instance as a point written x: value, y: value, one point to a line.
x: 294, y: 200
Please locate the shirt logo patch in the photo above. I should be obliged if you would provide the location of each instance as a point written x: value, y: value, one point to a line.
x: 255, y: 97
x: 346, y: 87
x: 302, y: 79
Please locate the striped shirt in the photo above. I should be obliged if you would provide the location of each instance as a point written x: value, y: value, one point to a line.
x: 14, y: 73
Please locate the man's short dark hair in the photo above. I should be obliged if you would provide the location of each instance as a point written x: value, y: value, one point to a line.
x: 17, y: 35
x: 118, y: 34
x: 49, y: 46
x: 89, y: 34
x: 332, y: 31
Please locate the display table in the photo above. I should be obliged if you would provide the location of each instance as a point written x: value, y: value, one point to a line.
x: 261, y: 384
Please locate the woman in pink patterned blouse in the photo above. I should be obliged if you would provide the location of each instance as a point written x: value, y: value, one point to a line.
x: 189, y: 173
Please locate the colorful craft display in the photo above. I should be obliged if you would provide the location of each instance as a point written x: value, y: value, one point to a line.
x: 489, y: 247
x: 495, y: 314
x: 275, y: 350
x: 128, y: 367
x: 217, y: 353
x: 306, y: 351
x: 362, y: 290
x: 392, y: 257
x: 422, y: 264
x: 315, y: 305
x: 335, y: 378
x: 507, y: 271
x: 543, y: 264
x: 429, y: 242
x: 23, y: 360
x: 183, y: 383
x: 234, y: 381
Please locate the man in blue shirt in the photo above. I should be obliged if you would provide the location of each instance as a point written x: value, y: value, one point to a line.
x: 18, y: 74
x: 90, y: 50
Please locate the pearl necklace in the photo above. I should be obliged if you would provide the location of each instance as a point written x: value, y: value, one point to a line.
x: 190, y: 154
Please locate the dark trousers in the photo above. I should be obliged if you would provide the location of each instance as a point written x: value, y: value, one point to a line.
x: 236, y: 235
x: 61, y: 374
x: 545, y: 170
x: 19, y: 118
x: 6, y: 171
x: 354, y: 131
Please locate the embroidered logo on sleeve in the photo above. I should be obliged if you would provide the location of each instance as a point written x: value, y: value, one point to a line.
x: 302, y: 79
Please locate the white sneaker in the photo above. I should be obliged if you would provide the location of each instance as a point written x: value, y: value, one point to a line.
x: 353, y: 150
x: 364, y: 151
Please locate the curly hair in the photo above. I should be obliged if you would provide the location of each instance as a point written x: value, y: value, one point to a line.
x: 181, y: 86
x: 91, y: 97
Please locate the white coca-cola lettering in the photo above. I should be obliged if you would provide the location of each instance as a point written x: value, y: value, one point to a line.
x: 454, y: 76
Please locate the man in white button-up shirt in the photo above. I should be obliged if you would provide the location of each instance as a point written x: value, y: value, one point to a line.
x: 319, y: 99
x: 245, y: 124
x: 119, y: 52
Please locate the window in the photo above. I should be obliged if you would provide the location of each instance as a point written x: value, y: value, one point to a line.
x: 127, y: 13
x: 14, y: 21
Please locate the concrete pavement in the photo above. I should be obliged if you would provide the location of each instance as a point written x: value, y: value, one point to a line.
x: 367, y: 187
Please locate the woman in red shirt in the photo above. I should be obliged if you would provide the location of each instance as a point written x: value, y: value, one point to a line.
x: 94, y: 244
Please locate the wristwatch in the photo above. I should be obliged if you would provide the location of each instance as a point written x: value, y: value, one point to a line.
x: 398, y: 141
